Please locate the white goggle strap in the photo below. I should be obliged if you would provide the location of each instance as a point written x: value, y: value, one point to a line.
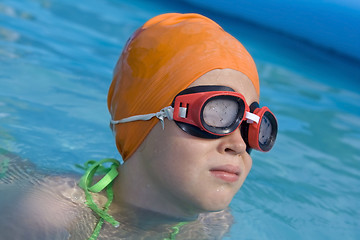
x: 251, y: 117
x: 166, y: 112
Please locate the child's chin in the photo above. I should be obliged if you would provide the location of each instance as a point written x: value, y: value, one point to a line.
x: 216, y: 207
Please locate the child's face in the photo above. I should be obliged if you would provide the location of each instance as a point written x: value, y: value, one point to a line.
x: 195, y: 174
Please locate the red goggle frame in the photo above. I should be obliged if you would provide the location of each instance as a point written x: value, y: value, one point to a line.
x: 189, y: 115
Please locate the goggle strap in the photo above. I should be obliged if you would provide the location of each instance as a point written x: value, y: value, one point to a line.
x: 166, y: 112
x: 251, y: 117
x: 134, y: 118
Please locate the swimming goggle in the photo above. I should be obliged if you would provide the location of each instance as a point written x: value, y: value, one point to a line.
x: 216, y: 111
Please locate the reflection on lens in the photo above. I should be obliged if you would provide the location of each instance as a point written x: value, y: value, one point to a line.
x: 220, y: 112
x: 265, y: 131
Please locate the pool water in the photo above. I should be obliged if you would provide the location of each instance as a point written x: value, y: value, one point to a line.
x: 56, y: 62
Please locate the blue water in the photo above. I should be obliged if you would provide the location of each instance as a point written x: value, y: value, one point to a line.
x: 56, y: 61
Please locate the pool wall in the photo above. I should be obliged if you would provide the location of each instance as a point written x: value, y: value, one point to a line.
x: 333, y: 24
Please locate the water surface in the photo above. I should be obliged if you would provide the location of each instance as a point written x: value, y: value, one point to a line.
x: 56, y: 65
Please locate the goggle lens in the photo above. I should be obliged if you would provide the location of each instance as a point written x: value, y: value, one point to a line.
x: 265, y: 131
x: 220, y: 112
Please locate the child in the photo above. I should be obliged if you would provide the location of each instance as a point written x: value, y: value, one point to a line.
x: 185, y: 115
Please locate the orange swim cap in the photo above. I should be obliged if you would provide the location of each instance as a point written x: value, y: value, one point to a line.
x: 162, y: 58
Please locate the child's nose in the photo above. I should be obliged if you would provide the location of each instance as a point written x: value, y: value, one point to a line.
x: 232, y: 143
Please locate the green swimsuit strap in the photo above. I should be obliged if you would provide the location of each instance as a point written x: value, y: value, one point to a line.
x: 176, y: 230
x: 106, y: 182
x: 91, y: 168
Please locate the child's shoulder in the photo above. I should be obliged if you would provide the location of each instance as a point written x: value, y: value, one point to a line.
x: 55, y: 204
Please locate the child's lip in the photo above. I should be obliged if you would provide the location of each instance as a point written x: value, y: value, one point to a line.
x: 228, y: 173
